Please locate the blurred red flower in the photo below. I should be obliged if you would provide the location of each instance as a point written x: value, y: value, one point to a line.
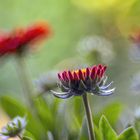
x: 135, y: 37
x: 17, y: 41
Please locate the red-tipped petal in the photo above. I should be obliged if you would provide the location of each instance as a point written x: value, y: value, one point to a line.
x: 75, y: 76
x: 105, y: 67
x: 93, y: 72
x: 87, y: 72
x: 81, y: 76
x: 70, y: 76
x: 64, y: 76
x: 59, y: 76
x: 102, y: 73
x: 100, y: 66
x: 98, y: 71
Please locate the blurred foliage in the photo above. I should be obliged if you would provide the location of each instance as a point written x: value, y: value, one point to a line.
x: 48, y: 122
x: 112, y: 112
x: 108, y: 132
x: 28, y: 136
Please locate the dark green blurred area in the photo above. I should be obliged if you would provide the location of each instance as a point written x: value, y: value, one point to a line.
x: 69, y: 23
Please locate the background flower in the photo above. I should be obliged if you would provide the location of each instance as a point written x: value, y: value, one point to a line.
x: 96, y: 49
x: 46, y: 82
x: 13, y: 128
x: 18, y: 41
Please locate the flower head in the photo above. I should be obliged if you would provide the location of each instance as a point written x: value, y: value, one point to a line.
x: 135, y: 37
x: 18, y: 40
x: 13, y: 128
x: 135, y: 84
x: 96, y: 48
x: 76, y: 83
x: 46, y: 82
x: 134, y: 51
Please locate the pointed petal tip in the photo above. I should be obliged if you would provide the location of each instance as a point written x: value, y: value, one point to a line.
x: 59, y: 76
x: 70, y: 76
x: 105, y: 87
x: 62, y: 95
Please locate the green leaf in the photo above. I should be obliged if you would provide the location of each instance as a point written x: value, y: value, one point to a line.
x: 12, y: 107
x: 128, y: 134
x: 45, y: 114
x: 27, y: 138
x: 112, y: 113
x: 98, y: 134
x: 35, y: 127
x: 107, y: 132
x: 137, y: 125
x: 83, y: 135
x: 29, y: 135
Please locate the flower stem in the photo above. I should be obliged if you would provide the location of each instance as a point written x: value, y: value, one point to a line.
x: 20, y: 137
x: 24, y: 78
x: 89, y: 117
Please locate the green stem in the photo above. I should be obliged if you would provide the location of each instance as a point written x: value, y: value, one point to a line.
x: 89, y: 117
x: 20, y: 137
x: 24, y: 78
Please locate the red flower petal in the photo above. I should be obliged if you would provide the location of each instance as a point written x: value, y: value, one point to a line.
x: 98, y: 72
x: 93, y: 72
x: 59, y: 76
x: 75, y: 76
x: 80, y: 74
x: 100, y: 66
x: 64, y: 75
x: 87, y: 72
x: 102, y: 72
x: 12, y: 42
x: 104, y: 68
x: 70, y: 75
x: 34, y: 33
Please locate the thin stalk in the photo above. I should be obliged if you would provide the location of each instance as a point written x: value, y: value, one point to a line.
x: 27, y: 86
x: 89, y: 117
x: 20, y: 137
x: 26, y: 83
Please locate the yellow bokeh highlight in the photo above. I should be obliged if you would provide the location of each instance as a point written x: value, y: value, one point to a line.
x: 116, y: 10
x: 128, y: 20
x: 98, y: 5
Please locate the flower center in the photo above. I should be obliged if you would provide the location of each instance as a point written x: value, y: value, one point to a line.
x: 77, y: 71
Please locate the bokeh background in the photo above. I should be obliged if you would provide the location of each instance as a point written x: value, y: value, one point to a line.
x: 71, y: 22
x: 81, y: 30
